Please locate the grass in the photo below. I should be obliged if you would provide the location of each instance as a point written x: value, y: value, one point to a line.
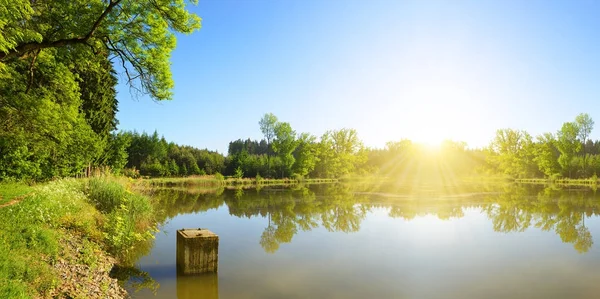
x: 102, y: 211
x: 216, y: 181
x: 9, y: 191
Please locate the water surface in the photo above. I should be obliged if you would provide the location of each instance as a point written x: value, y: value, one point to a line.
x: 366, y: 241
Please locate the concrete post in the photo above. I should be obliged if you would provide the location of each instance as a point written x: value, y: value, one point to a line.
x: 197, y: 251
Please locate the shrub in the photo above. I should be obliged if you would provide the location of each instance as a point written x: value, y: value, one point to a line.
x: 239, y: 173
x: 219, y: 177
x: 128, y: 215
x: 131, y: 173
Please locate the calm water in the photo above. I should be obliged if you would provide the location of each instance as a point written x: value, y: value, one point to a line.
x: 364, y: 241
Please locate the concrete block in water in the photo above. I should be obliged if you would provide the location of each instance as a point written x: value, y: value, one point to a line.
x: 197, y: 251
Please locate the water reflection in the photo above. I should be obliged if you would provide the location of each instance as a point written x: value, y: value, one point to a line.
x: 399, y: 240
x: 191, y: 286
x: 342, y: 208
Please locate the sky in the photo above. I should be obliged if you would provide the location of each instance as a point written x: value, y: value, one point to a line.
x: 391, y: 69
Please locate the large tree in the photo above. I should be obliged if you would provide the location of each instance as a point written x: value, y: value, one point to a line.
x: 267, y: 126
x: 138, y: 34
x: 513, y: 153
x: 568, y: 145
x: 585, y: 125
x: 284, y: 145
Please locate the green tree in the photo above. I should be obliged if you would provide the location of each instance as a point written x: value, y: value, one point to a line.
x: 140, y: 34
x: 546, y: 154
x: 568, y: 145
x: 267, y: 126
x: 115, y: 154
x: 40, y: 118
x: 586, y: 125
x: 284, y: 145
x: 305, y: 154
x: 340, y: 153
x: 513, y: 153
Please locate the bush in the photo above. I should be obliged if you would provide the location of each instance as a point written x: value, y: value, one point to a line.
x: 238, y: 173
x: 131, y: 173
x: 219, y: 177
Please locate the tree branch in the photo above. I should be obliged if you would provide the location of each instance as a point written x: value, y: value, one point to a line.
x: 32, y: 46
x: 31, y: 68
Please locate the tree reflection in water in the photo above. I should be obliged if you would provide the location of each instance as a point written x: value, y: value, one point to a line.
x: 342, y: 207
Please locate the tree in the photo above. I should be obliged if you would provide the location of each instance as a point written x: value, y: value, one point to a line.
x: 305, y: 154
x: 97, y: 80
x: 568, y: 145
x: 40, y: 119
x: 139, y: 34
x: 284, y: 145
x: 546, y: 154
x: 586, y: 125
x: 340, y: 153
x: 115, y: 154
x: 513, y: 152
x: 267, y: 127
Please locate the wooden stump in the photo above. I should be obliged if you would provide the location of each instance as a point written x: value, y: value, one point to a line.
x: 197, y: 251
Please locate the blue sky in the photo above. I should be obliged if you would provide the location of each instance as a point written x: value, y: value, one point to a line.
x: 391, y: 69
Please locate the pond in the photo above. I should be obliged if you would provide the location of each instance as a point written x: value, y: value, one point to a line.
x: 380, y: 241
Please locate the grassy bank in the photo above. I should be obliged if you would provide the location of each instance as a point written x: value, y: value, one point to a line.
x: 10, y: 191
x: 217, y: 181
x: 593, y: 181
x: 62, y: 239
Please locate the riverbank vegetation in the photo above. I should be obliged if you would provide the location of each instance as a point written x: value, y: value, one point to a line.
x: 58, y: 240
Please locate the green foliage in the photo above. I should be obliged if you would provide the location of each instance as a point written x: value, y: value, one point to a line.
x: 306, y: 155
x: 284, y: 145
x: 513, y: 153
x: 569, y: 146
x: 141, y: 36
x: 32, y: 231
x: 125, y: 212
x: 154, y: 156
x: 340, y: 153
x: 239, y: 173
x: 267, y: 126
x: 42, y: 132
x: 107, y: 195
x: 115, y: 154
x: 131, y: 173
x: 546, y: 155
x: 219, y: 177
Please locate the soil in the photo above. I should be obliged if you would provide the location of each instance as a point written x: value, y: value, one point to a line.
x: 78, y: 280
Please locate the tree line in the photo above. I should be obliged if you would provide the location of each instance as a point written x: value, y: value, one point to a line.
x: 568, y: 153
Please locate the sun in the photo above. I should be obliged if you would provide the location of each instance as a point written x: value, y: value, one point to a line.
x: 431, y: 146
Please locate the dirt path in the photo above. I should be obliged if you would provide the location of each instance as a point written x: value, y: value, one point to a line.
x: 14, y: 200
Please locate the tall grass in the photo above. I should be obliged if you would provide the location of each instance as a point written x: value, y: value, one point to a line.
x: 129, y: 216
